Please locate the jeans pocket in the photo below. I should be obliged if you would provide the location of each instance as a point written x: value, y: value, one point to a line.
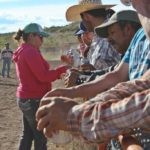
x: 28, y: 111
x: 25, y: 106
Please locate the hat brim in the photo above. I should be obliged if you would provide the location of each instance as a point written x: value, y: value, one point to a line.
x: 102, y: 30
x: 44, y: 34
x: 79, y: 32
x: 73, y: 12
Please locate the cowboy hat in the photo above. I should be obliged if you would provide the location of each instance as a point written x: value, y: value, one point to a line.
x: 73, y: 12
x: 123, y: 15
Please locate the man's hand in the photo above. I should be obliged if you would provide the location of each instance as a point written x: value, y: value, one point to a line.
x: 71, y: 78
x: 87, y: 67
x: 52, y: 114
x: 65, y: 92
x: 67, y: 59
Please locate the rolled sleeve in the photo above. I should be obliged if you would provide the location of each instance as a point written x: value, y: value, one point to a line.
x: 98, y: 121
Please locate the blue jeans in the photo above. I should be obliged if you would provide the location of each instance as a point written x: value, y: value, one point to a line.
x: 6, y: 66
x: 30, y: 133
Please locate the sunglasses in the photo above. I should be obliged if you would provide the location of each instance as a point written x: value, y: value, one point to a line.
x: 126, y: 2
x: 40, y: 36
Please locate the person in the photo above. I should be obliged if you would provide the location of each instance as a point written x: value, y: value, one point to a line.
x: 6, y: 56
x: 118, y: 114
x: 73, y: 56
x: 103, y: 117
x: 85, y: 38
x: 101, y: 54
x: 35, y: 77
x: 121, y: 31
x: 78, y: 33
x: 133, y: 65
x: 93, y: 13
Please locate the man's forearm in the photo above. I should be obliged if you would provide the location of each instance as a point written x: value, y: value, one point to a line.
x: 124, y: 89
x: 98, y: 121
x: 91, y: 89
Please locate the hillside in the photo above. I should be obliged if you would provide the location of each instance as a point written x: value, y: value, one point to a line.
x: 61, y: 37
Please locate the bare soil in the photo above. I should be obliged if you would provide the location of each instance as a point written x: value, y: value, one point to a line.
x: 10, y: 116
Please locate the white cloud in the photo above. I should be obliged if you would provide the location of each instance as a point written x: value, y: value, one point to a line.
x: 46, y: 15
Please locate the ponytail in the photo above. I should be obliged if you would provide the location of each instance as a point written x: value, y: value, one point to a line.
x: 18, y: 35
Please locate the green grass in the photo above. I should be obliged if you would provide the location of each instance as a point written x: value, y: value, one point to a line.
x: 58, y: 37
x: 51, y: 56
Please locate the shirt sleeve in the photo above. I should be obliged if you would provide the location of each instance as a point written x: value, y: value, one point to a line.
x: 126, y: 57
x: 107, y: 56
x: 124, y: 89
x: 97, y: 121
x: 102, y: 54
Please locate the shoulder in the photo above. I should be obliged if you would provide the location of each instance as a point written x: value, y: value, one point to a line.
x: 139, y: 35
x: 3, y: 51
x: 137, y: 40
x: 10, y: 51
x: 26, y: 51
x: 102, y: 41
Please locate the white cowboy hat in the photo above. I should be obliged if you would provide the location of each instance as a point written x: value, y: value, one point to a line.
x: 73, y: 12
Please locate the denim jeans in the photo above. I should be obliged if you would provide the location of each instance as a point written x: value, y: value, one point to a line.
x: 30, y: 133
x: 6, y: 66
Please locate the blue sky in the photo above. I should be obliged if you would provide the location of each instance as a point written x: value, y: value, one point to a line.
x: 15, y: 14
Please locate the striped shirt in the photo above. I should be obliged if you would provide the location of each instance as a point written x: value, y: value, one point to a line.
x: 7, y: 54
x: 138, y: 55
x: 116, y: 111
x: 101, y: 54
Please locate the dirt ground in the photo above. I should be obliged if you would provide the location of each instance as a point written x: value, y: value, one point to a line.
x: 10, y: 116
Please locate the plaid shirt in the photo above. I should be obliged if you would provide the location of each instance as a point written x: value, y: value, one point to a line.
x: 101, y: 54
x: 114, y: 112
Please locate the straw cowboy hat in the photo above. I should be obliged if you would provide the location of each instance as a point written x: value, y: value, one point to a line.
x: 73, y: 12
